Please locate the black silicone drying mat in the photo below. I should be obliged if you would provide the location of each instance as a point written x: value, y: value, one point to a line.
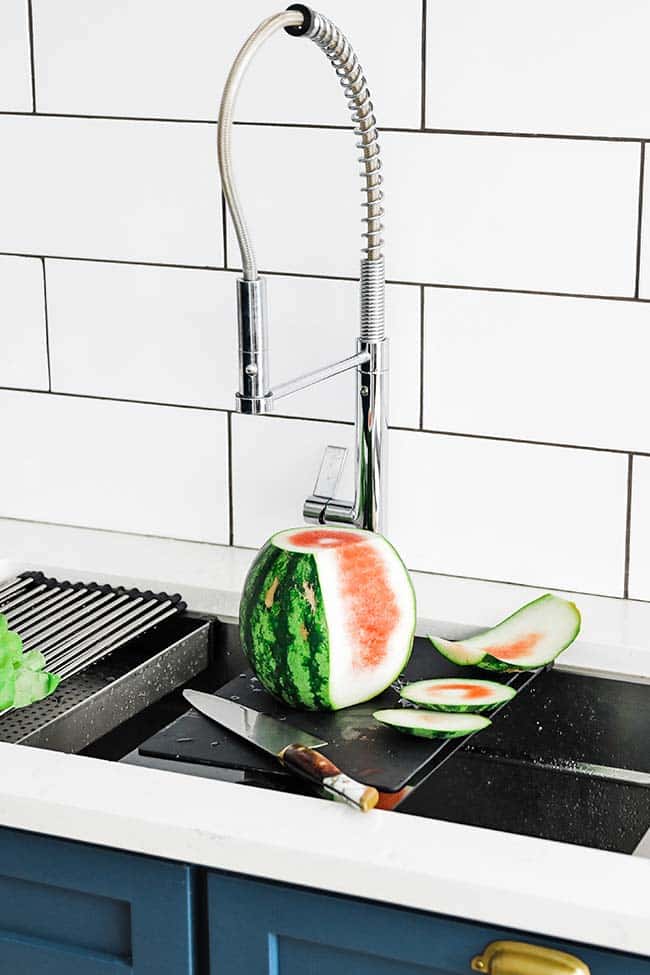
x: 356, y: 742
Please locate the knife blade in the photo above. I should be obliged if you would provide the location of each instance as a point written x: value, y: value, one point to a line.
x: 295, y: 749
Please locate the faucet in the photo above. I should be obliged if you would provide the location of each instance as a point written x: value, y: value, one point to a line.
x: 256, y: 395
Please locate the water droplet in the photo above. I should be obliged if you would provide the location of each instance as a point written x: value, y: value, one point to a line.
x: 213, y: 744
x: 282, y: 717
x: 234, y: 697
x: 179, y: 740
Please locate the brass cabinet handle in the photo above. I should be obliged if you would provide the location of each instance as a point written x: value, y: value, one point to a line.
x: 519, y: 958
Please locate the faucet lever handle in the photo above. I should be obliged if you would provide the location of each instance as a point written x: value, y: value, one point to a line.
x: 330, y: 472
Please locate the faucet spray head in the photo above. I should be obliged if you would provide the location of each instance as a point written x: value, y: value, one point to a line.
x: 308, y: 17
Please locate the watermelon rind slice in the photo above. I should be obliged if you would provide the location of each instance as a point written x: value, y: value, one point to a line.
x: 530, y: 638
x: 457, y: 694
x: 431, y: 724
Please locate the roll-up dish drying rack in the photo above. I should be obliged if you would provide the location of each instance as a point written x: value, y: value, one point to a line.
x: 115, y: 649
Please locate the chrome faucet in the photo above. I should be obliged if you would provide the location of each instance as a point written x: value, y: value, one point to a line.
x: 256, y: 394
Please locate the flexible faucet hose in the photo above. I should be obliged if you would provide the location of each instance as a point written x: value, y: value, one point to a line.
x: 334, y: 44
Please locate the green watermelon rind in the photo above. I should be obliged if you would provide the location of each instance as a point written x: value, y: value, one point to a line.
x: 492, y: 663
x: 263, y: 628
x: 425, y: 732
x: 507, y: 695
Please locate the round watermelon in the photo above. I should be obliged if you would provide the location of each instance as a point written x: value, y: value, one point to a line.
x: 327, y: 616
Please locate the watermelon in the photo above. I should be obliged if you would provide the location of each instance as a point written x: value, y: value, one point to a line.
x: 530, y: 638
x: 431, y: 724
x: 457, y: 694
x: 327, y: 616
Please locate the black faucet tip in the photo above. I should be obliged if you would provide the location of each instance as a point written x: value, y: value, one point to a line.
x: 307, y: 16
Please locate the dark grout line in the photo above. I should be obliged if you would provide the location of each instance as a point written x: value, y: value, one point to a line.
x: 329, y: 420
x: 628, y: 526
x: 47, y: 327
x: 231, y: 496
x: 116, y: 260
x: 639, y: 229
x: 115, y: 118
x: 30, y: 27
x: 113, y: 399
x: 520, y: 291
x: 328, y: 126
x: 532, y: 443
x: 335, y: 277
x: 422, y: 341
x: 224, y: 229
x: 423, y: 69
x: 316, y: 277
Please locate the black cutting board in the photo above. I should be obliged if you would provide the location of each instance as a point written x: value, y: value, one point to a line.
x: 359, y: 745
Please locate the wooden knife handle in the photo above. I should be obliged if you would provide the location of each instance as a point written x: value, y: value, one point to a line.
x: 317, y: 769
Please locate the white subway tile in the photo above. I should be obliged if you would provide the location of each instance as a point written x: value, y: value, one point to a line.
x: 546, y: 516
x: 148, y: 469
x: 315, y: 321
x: 578, y: 68
x: 175, y: 66
x: 141, y: 191
x: 639, y: 580
x: 167, y: 335
x: 538, y: 214
x: 23, y: 358
x: 15, y: 66
x: 531, y: 367
x: 275, y: 462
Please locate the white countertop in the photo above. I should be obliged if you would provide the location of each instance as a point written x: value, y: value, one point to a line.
x: 535, y: 885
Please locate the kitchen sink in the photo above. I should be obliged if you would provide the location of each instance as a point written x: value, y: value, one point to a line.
x: 566, y: 760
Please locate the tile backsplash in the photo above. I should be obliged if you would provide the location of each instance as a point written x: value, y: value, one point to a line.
x: 518, y: 260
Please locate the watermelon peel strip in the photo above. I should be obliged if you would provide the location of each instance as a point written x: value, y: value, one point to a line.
x: 557, y: 620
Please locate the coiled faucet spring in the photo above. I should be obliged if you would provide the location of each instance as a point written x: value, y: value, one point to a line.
x: 337, y: 48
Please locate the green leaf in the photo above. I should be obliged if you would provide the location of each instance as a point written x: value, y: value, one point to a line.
x: 22, y: 677
x: 10, y: 649
x: 33, y: 686
x: 33, y: 660
x: 7, y: 688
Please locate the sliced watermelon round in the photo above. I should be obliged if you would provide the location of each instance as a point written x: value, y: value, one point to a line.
x: 457, y: 694
x: 327, y: 616
x: 429, y: 724
x: 530, y: 638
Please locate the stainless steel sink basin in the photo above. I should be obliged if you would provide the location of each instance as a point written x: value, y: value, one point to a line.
x: 567, y: 760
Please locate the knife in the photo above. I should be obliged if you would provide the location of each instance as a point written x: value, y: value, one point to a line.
x: 295, y: 749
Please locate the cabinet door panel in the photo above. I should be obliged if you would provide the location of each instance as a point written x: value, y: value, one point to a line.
x: 263, y: 928
x: 71, y: 908
x: 291, y: 956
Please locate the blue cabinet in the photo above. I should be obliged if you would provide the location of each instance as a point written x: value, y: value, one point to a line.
x: 260, y: 928
x: 72, y: 909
